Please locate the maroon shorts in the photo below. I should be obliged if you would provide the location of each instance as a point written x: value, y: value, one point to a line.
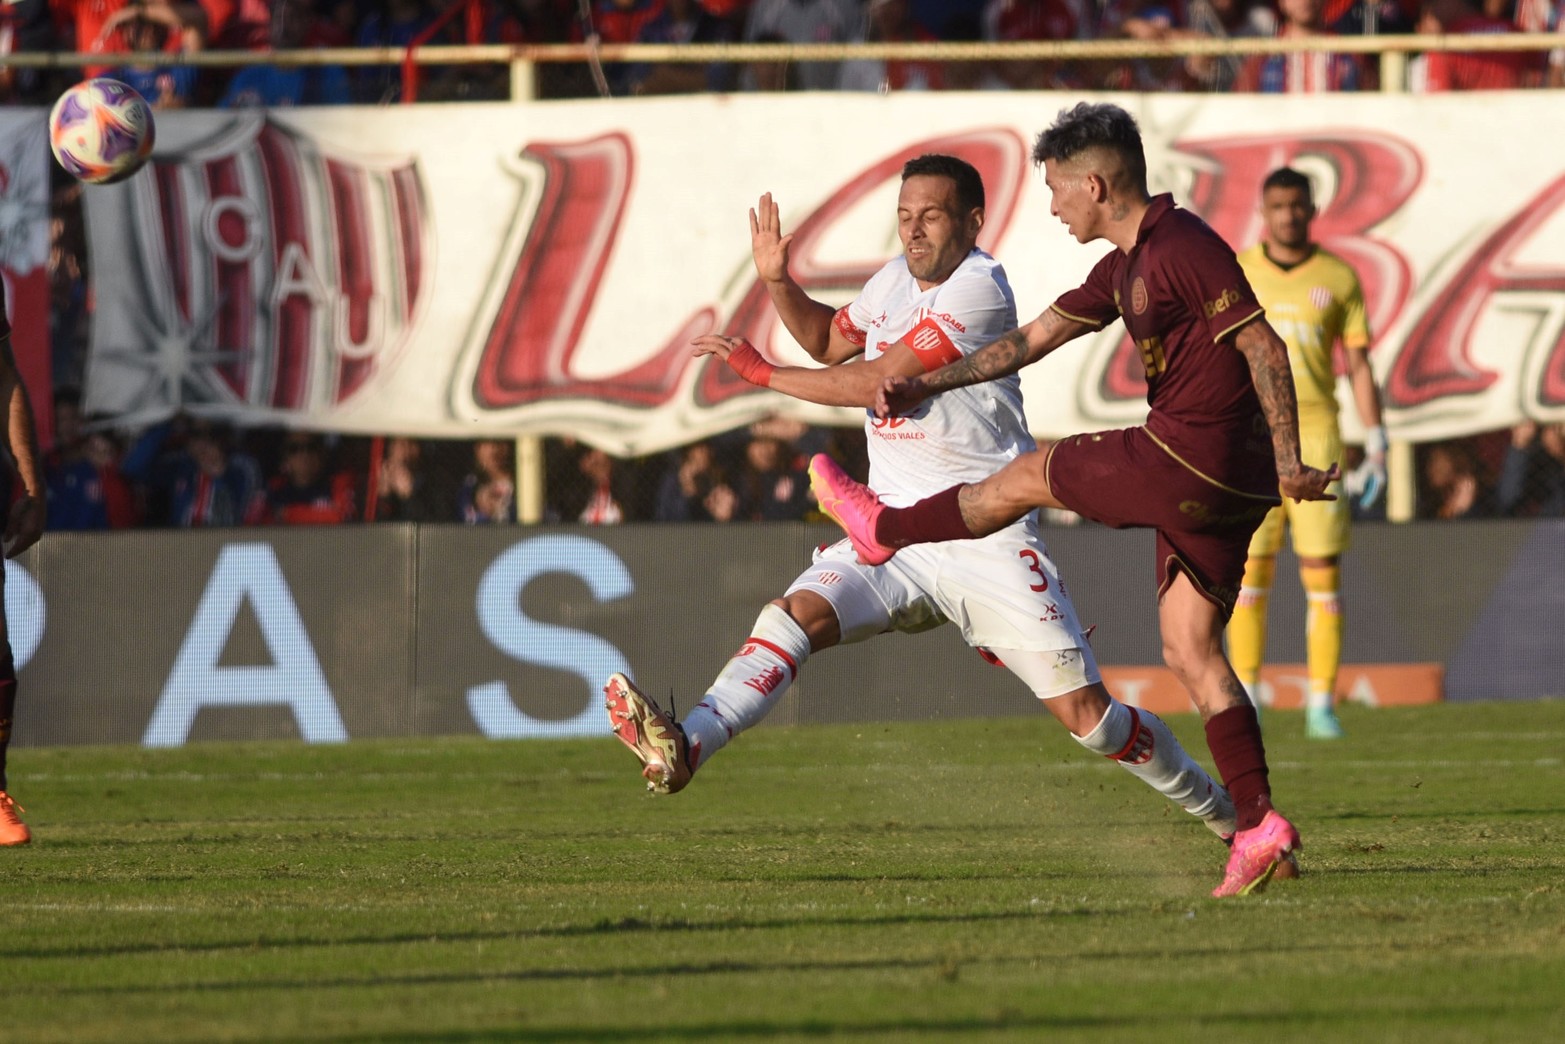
x: 1126, y: 479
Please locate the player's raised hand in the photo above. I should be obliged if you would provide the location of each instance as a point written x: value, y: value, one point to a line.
x: 739, y: 354
x: 768, y: 245
x: 899, y: 395
x: 1309, y: 483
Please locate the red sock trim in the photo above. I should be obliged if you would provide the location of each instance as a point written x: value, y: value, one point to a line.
x: 793, y: 668
x: 1135, y: 731
x: 931, y: 520
x: 1234, y: 738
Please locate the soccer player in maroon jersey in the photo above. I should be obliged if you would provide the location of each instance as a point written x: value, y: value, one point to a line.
x: 1220, y: 441
x: 23, y: 526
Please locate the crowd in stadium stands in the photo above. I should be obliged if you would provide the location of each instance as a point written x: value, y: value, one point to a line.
x: 115, y: 27
x: 190, y: 472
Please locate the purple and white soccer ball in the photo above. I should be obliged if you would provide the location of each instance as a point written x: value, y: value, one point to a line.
x: 101, y: 131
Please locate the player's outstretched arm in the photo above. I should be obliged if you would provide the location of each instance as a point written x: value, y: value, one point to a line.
x: 1022, y: 346
x: 854, y: 384
x: 1267, y: 355
x: 808, y: 320
x: 25, y: 523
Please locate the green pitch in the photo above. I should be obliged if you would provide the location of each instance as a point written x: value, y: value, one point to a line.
x: 973, y: 881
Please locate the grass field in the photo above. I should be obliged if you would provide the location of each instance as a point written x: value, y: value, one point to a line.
x: 982, y: 880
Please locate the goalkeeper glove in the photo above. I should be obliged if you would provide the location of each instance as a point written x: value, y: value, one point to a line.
x: 1366, y: 484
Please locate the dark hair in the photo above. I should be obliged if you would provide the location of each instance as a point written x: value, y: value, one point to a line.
x: 969, y: 184
x: 1094, y: 125
x: 1288, y: 178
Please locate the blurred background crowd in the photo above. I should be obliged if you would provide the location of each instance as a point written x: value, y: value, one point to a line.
x: 112, y: 28
x: 193, y: 472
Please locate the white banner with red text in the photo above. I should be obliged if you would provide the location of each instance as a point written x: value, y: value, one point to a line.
x: 458, y: 270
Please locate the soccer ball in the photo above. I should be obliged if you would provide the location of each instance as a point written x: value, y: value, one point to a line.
x: 101, y: 131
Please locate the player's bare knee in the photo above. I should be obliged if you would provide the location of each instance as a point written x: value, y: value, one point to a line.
x: 815, y: 617
x: 1081, y: 709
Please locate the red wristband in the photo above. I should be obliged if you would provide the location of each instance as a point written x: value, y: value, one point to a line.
x: 751, y: 365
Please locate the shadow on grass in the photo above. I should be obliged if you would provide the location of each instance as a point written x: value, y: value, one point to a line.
x: 605, y: 927
x: 936, y: 966
x: 1227, y: 1025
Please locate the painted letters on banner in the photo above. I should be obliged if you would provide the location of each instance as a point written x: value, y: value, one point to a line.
x: 541, y: 269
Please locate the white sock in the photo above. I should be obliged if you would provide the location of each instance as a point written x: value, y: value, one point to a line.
x: 750, y: 685
x: 1143, y: 745
x: 1317, y: 699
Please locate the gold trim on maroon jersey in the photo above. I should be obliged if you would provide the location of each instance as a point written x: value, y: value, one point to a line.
x: 1160, y: 444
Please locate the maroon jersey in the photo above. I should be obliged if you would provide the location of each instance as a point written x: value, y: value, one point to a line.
x: 5, y: 323
x: 1182, y: 295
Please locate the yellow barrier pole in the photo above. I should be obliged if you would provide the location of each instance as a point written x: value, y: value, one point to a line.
x: 529, y: 480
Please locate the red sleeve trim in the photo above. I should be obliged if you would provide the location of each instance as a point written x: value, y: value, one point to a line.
x: 845, y: 327
x: 930, y: 343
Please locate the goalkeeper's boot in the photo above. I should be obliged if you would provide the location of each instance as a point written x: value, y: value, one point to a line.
x: 12, y: 830
x: 1256, y: 855
x: 852, y: 505
x: 1322, y: 723
x: 650, y: 734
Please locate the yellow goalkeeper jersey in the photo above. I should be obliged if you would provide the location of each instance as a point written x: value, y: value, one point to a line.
x: 1312, y: 306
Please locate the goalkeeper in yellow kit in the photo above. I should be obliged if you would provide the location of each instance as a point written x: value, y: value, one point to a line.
x: 1313, y: 299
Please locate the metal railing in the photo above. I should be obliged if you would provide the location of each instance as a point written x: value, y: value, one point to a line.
x: 1392, y: 52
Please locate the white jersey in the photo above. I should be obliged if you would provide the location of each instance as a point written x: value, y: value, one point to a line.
x: 962, y: 434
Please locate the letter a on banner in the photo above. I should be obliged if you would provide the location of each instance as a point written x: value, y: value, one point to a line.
x: 246, y: 572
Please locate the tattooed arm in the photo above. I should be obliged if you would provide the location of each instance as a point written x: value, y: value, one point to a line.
x: 1024, y: 345
x: 1267, y: 355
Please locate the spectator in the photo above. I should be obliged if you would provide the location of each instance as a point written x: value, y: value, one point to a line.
x: 1532, y: 479
x: 1008, y: 20
x: 688, y: 22
x: 605, y: 505
x: 1371, y: 17
x: 25, y: 27
x: 694, y: 489
x: 147, y: 29
x: 801, y: 22
x: 67, y: 416
x: 890, y: 21
x: 272, y: 86
x: 404, y: 490
x: 769, y: 77
x: 68, y: 303
x: 1473, y: 70
x: 304, y: 492
x: 623, y: 22
x: 1452, y: 486
x: 89, y: 17
x: 488, y: 492
x: 1224, y: 20
x: 772, y: 486
x: 1301, y: 72
x: 87, y: 490
x: 1147, y: 20
x: 395, y: 23
x: 192, y: 476
x: 1540, y: 16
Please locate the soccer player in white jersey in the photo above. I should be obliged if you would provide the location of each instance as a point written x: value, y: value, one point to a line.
x: 939, y: 300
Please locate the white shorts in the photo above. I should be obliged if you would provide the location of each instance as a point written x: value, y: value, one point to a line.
x: 1003, y: 591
